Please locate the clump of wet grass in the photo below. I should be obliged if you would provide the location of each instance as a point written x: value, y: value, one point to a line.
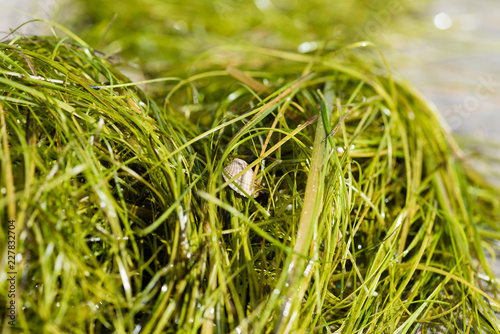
x: 368, y: 220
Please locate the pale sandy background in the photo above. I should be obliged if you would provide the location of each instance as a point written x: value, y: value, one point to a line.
x: 449, y: 66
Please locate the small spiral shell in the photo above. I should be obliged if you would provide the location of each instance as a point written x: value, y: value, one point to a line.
x: 244, y: 181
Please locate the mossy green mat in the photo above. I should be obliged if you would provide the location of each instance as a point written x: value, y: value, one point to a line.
x: 369, y: 220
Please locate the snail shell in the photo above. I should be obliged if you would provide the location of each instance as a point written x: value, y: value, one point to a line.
x: 244, y: 181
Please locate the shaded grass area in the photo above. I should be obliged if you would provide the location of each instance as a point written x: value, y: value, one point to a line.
x: 368, y: 221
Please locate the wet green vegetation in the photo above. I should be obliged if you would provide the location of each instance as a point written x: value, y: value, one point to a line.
x: 369, y: 217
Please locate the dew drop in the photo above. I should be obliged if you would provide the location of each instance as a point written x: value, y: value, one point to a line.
x: 137, y: 329
x: 286, y: 310
x: 307, y: 47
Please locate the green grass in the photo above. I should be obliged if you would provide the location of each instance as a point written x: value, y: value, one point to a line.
x: 126, y: 225
x: 165, y: 36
